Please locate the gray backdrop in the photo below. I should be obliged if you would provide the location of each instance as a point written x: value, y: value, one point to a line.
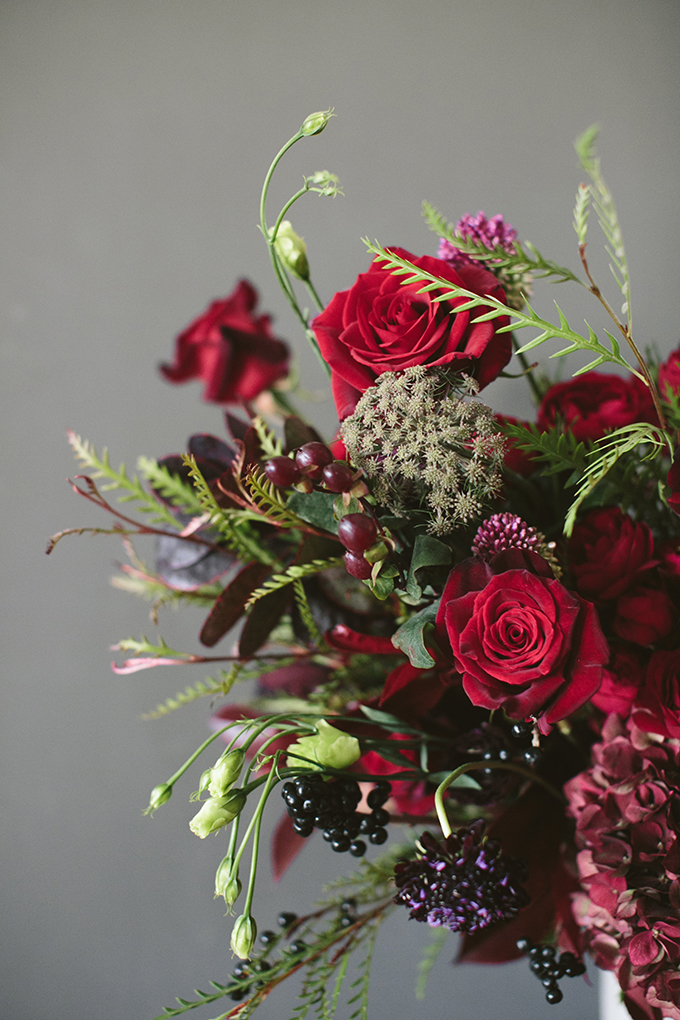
x: 136, y: 135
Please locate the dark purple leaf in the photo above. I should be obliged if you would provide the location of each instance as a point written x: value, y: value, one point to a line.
x: 229, y: 606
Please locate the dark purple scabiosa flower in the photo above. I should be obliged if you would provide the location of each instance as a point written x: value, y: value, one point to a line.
x: 464, y: 882
x: 492, y: 234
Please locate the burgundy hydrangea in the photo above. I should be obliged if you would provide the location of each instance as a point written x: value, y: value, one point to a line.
x: 491, y: 233
x: 464, y: 882
x: 626, y: 808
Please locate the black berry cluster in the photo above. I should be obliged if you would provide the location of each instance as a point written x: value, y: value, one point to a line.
x: 314, y: 803
x: 313, y: 462
x: 522, y: 734
x: 549, y: 967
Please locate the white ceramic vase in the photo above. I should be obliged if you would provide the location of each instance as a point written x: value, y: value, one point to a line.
x: 611, y: 1007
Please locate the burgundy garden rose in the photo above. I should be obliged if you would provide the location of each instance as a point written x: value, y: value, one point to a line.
x: 644, y: 615
x: 669, y: 375
x: 608, y: 551
x: 521, y: 641
x: 673, y: 482
x: 592, y: 404
x: 621, y: 681
x: 381, y: 325
x: 657, y: 706
x: 231, y: 349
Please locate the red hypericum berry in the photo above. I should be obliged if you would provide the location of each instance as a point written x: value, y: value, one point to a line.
x: 357, y: 532
x: 357, y: 566
x: 312, y: 458
x: 282, y: 471
x: 338, y: 476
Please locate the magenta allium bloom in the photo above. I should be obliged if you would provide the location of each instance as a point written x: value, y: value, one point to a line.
x: 463, y: 882
x: 627, y: 828
x: 491, y: 233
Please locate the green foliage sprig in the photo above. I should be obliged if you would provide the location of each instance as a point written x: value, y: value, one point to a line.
x: 399, y: 266
x: 201, y: 689
x: 559, y: 450
x: 130, y: 488
x: 296, y: 572
x: 520, y: 262
x: 170, y: 485
x: 607, y: 452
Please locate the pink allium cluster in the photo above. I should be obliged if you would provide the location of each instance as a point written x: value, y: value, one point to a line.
x: 627, y: 811
x: 491, y: 233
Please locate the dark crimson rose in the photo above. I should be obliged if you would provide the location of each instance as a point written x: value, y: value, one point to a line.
x: 621, y: 681
x: 607, y: 552
x: 379, y: 325
x: 521, y: 641
x: 673, y: 482
x: 669, y: 375
x: 657, y: 706
x: 644, y: 615
x: 591, y: 404
x: 231, y: 349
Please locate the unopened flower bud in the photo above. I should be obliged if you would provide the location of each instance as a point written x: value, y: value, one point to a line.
x: 204, y: 781
x: 328, y: 746
x: 216, y: 812
x: 225, y: 773
x: 160, y: 795
x: 316, y: 122
x: 243, y: 936
x: 325, y: 183
x: 292, y: 250
x: 227, y: 884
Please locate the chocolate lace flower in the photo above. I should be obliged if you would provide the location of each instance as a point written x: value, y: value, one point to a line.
x: 463, y: 882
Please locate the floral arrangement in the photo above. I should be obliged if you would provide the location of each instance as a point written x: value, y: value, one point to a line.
x: 464, y: 627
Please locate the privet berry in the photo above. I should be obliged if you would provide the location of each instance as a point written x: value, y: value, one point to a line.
x: 549, y: 968
x: 331, y: 807
x: 357, y: 532
x: 312, y: 458
x: 282, y: 472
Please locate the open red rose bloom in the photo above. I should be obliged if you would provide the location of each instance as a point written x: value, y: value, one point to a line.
x: 459, y: 623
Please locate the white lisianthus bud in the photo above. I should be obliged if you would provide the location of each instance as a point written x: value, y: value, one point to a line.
x: 292, y: 250
x: 243, y: 936
x: 160, y: 795
x: 316, y: 122
x: 225, y: 773
x: 227, y: 884
x: 217, y: 812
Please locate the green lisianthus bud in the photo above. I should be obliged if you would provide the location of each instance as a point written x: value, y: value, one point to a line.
x: 316, y: 122
x: 292, y: 250
x: 204, y: 781
x: 227, y: 884
x: 328, y: 746
x: 225, y: 773
x: 325, y: 183
x: 243, y: 936
x: 216, y: 812
x: 160, y: 795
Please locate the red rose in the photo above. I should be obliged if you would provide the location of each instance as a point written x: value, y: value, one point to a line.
x: 657, y: 706
x: 232, y: 350
x: 591, y: 404
x: 621, y: 681
x: 669, y: 375
x: 380, y: 325
x: 521, y: 641
x: 673, y: 482
x: 644, y: 615
x: 607, y: 552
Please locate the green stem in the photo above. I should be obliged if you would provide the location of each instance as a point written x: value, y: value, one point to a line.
x: 315, y: 297
x: 472, y: 766
x: 206, y: 743
x: 257, y: 819
x: 527, y: 370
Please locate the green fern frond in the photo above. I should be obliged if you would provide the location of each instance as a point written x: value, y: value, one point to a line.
x: 143, y: 646
x: 131, y: 489
x: 430, y: 956
x: 413, y: 274
x: 607, y: 452
x: 154, y: 590
x: 296, y: 572
x: 363, y: 981
x: 267, y: 498
x: 606, y: 213
x: 306, y: 613
x: 235, y: 530
x: 170, y: 485
x: 202, y: 689
x: 271, y: 446
x: 581, y: 211
x: 519, y: 262
x: 561, y: 450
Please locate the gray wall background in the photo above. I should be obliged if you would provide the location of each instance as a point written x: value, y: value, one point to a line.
x: 135, y: 138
